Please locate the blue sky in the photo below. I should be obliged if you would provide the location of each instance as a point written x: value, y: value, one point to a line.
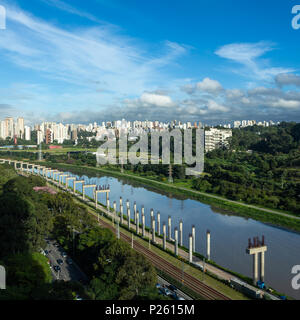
x: 194, y: 60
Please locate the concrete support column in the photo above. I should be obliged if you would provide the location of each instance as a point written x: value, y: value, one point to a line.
x: 190, y: 248
x: 96, y: 198
x: 194, y: 238
x: 153, y: 230
x: 134, y: 212
x: 143, y: 224
x: 143, y: 210
x: 164, y: 237
x: 158, y: 223
x: 255, y: 268
x: 176, y: 242
x: 137, y: 222
x: 262, y: 266
x: 169, y: 228
x: 121, y: 210
x: 115, y: 211
x: 118, y: 230
x: 181, y: 232
x: 107, y: 201
x: 151, y: 216
x: 208, y: 244
x: 128, y: 218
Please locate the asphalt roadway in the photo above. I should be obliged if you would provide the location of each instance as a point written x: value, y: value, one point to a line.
x: 69, y: 269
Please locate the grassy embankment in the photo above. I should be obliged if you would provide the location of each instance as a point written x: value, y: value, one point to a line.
x: 183, y: 188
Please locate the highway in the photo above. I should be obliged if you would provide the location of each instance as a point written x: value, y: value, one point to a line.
x: 69, y: 271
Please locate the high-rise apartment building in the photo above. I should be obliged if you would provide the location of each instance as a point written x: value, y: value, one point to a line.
x: 49, y: 136
x: 216, y: 138
x: 40, y: 137
x: 19, y: 128
x: 27, y: 133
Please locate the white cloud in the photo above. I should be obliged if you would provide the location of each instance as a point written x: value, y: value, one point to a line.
x: 287, y: 79
x: 156, y: 100
x: 244, y: 52
x: 289, y: 104
x: 84, y: 56
x: 248, y: 55
x: 208, y: 85
x: 70, y: 9
x: 215, y: 106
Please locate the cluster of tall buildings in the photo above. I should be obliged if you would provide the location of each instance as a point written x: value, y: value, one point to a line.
x: 14, y: 129
x: 250, y: 123
x: 50, y: 132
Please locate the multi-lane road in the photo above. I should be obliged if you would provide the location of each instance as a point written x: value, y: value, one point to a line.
x: 69, y: 271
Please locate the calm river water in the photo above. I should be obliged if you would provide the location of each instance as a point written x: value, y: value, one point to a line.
x: 229, y: 233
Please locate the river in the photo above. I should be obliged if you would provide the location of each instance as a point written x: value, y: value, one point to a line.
x: 229, y: 233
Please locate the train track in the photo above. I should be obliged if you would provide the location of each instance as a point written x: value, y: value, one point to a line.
x: 193, y: 283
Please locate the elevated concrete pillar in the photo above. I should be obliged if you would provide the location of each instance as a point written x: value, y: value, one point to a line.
x: 181, y: 232
x: 208, y: 245
x: 176, y: 242
x: 158, y: 223
x: 137, y: 223
x: 190, y: 248
x: 262, y: 266
x: 115, y: 211
x: 164, y: 236
x: 143, y: 210
x: 143, y: 224
x: 134, y: 212
x: 153, y: 230
x: 151, y: 216
x: 128, y: 218
x: 121, y: 210
x: 169, y: 228
x: 118, y: 230
x: 255, y: 249
x: 107, y: 201
x: 194, y: 238
x: 255, y: 268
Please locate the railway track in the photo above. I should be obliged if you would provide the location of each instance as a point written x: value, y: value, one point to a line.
x: 197, y: 286
x: 193, y: 283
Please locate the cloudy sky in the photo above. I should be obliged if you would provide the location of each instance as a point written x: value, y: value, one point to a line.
x: 195, y: 60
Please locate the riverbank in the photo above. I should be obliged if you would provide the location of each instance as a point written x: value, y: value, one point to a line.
x: 230, y: 207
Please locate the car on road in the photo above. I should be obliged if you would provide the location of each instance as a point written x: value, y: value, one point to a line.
x: 64, y: 255
x: 57, y: 268
x: 60, y: 261
x: 69, y: 261
x: 171, y: 287
x: 158, y: 285
x: 165, y: 291
x: 46, y: 252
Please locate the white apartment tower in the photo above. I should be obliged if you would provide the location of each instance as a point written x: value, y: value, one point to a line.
x: 216, y: 138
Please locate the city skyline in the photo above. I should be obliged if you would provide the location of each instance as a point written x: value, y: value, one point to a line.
x: 62, y: 63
